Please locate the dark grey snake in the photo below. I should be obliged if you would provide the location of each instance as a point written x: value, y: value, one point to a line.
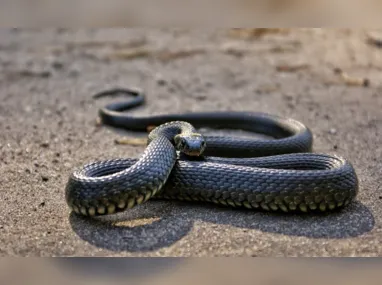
x: 179, y: 163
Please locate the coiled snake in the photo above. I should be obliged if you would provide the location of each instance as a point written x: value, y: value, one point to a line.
x: 279, y: 174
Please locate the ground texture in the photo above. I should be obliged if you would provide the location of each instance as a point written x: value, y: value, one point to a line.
x: 48, y: 128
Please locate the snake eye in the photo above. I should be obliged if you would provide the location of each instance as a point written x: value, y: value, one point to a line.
x: 182, y: 143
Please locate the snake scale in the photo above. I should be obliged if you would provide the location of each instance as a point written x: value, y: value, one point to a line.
x: 277, y: 174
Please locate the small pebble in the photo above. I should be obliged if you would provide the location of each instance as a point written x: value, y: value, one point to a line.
x: 161, y: 82
x: 44, y: 178
x: 44, y: 144
x: 200, y: 97
x: 57, y: 65
x: 42, y: 204
x: 335, y: 147
x: 333, y: 131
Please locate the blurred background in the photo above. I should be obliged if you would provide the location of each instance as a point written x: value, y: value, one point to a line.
x: 222, y: 271
x: 222, y: 13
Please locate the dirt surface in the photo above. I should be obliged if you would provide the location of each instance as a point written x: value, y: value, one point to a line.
x: 48, y: 127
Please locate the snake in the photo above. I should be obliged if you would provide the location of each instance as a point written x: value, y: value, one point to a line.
x: 277, y: 174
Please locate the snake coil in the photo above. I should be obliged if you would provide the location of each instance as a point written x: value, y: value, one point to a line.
x: 280, y: 174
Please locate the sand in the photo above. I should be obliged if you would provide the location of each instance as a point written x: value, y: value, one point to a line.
x: 48, y: 128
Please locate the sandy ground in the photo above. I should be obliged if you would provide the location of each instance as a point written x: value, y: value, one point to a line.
x: 47, y: 122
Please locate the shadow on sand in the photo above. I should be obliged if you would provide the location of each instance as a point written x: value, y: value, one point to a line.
x: 165, y: 223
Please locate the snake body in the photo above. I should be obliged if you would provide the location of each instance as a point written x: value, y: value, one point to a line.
x: 280, y: 174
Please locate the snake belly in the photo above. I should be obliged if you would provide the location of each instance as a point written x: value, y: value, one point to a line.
x: 279, y: 174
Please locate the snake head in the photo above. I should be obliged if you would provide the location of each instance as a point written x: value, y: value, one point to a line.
x: 190, y: 144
